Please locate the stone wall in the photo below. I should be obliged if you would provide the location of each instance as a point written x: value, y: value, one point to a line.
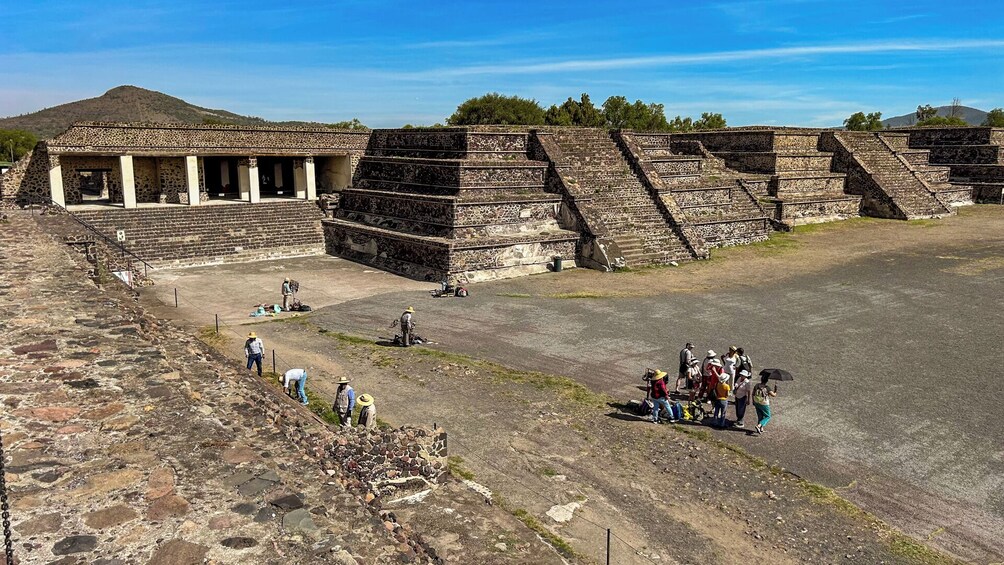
x: 28, y: 180
x: 72, y: 165
x: 186, y: 139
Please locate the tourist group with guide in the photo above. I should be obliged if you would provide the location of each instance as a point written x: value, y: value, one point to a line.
x: 714, y: 380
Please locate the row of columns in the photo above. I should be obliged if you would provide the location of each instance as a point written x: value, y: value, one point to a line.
x: 304, y: 181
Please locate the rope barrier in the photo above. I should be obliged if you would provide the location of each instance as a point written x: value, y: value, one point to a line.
x: 471, y: 452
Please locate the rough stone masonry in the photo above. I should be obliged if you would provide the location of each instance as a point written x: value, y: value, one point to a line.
x: 130, y: 442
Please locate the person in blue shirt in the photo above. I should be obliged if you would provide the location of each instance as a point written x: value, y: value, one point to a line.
x: 299, y: 376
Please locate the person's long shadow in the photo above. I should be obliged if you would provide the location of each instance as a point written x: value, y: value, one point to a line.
x: 624, y: 412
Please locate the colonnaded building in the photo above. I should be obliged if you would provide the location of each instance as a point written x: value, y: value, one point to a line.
x: 482, y: 202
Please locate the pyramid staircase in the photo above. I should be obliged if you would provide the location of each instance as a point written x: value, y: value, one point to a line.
x: 610, y: 198
x: 714, y: 201
x: 893, y: 181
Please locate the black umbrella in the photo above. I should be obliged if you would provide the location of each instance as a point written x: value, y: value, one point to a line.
x: 777, y: 375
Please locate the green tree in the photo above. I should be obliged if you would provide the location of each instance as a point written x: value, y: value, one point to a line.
x: 582, y: 113
x: 995, y: 118
x: 681, y: 124
x: 14, y: 143
x: 943, y: 121
x: 621, y: 114
x: 494, y: 108
x: 925, y: 112
x: 354, y: 124
x: 710, y: 121
x: 859, y: 121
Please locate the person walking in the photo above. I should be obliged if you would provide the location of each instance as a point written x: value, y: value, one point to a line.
x: 722, y: 390
x: 660, y: 396
x: 761, y: 401
x: 367, y: 416
x: 742, y: 392
x: 687, y: 363
x: 407, y: 326
x: 287, y: 294
x: 730, y: 361
x: 253, y: 351
x: 299, y: 378
x: 345, y: 401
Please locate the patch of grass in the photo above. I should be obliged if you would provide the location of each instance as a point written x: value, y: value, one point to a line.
x: 209, y: 336
x: 345, y: 338
x: 924, y: 223
x: 580, y: 294
x: 455, y: 464
x: 548, y: 472
x: 514, y: 295
x: 528, y: 520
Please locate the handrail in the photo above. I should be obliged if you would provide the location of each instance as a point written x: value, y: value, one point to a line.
x: 107, y: 239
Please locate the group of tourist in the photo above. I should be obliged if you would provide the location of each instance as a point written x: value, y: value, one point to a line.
x: 715, y: 379
x: 295, y: 380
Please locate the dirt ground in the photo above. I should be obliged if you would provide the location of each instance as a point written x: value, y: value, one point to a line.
x: 684, y: 494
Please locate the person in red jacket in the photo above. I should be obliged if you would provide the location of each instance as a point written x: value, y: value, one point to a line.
x: 660, y: 396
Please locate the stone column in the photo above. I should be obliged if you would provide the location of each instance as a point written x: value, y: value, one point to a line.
x: 56, y: 181
x: 192, y: 179
x: 308, y: 171
x: 299, y: 178
x: 128, y: 181
x: 277, y: 172
x: 254, y: 186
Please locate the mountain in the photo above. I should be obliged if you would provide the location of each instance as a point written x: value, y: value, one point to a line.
x: 973, y: 117
x: 124, y: 104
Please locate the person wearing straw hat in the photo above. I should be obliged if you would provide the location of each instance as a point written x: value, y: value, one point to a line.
x: 253, y: 351
x: 407, y: 325
x: 298, y: 376
x: 367, y: 416
x: 660, y: 396
x: 345, y: 401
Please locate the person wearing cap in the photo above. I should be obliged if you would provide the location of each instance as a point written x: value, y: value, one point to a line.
x: 298, y: 376
x: 345, y: 402
x: 660, y: 396
x: 253, y: 351
x: 742, y: 395
x: 367, y: 416
x: 407, y: 325
x: 287, y: 294
x: 687, y: 364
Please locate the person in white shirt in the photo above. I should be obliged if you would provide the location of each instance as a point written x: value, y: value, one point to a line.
x: 298, y: 376
x: 729, y: 363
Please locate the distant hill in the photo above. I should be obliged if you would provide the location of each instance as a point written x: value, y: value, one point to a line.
x: 125, y: 104
x: 973, y: 117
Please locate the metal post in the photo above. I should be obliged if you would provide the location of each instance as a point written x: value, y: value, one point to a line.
x: 217, y: 323
x: 175, y: 297
x: 8, y: 539
x: 608, y: 546
x: 273, y: 361
x: 146, y: 270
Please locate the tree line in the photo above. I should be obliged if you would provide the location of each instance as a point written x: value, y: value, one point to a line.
x: 616, y: 113
x: 926, y: 115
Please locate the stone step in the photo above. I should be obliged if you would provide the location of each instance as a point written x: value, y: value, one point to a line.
x: 772, y: 162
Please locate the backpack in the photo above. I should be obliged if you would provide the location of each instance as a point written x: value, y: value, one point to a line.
x: 760, y: 394
x: 745, y: 365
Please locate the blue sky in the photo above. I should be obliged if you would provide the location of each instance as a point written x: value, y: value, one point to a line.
x: 794, y: 62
